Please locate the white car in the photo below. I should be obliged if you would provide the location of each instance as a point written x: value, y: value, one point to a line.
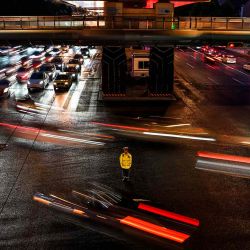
x: 228, y: 59
x: 246, y: 67
x: 38, y: 80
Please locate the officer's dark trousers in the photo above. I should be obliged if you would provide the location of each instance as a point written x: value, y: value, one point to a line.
x: 125, y: 173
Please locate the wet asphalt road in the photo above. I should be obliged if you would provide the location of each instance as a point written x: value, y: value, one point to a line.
x: 56, y: 148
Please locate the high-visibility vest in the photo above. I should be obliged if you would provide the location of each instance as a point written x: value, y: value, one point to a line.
x: 126, y: 160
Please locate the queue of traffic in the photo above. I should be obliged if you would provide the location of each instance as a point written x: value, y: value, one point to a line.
x: 218, y: 54
x: 38, y: 66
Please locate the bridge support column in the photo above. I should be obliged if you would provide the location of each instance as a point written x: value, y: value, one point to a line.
x: 161, y: 71
x: 114, y: 71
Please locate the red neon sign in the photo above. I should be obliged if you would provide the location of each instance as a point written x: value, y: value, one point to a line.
x: 150, y: 3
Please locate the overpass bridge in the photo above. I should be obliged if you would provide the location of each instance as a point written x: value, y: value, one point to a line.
x: 123, y: 30
x: 115, y: 33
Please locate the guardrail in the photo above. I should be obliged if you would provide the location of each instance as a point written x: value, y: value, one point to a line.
x: 124, y: 22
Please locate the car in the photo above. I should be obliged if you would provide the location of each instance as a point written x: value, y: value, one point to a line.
x: 50, y: 69
x: 204, y: 48
x: 72, y: 69
x: 63, y: 81
x: 26, y: 61
x: 48, y: 48
x: 218, y: 56
x: 38, y: 62
x: 246, y: 67
x: 2, y: 73
x: 24, y: 73
x: 85, y: 52
x: 209, y: 59
x: 39, y: 48
x: 5, y: 50
x: 12, y: 68
x: 49, y: 57
x: 79, y: 57
x: 4, y: 88
x: 73, y: 62
x: 38, y: 54
x: 59, y: 63
x: 56, y: 51
x: 65, y: 48
x: 123, y: 212
x: 228, y: 59
x: 38, y: 80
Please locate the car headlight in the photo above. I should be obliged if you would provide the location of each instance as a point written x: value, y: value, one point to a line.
x: 5, y: 90
x: 41, y: 82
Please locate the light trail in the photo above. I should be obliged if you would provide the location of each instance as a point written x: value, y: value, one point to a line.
x: 180, y: 136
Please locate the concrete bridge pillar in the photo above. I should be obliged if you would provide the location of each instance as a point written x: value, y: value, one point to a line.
x: 114, y: 71
x: 161, y: 70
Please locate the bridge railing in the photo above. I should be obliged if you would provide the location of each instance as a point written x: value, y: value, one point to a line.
x: 124, y: 22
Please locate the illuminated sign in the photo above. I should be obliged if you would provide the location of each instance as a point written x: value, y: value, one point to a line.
x: 177, y: 3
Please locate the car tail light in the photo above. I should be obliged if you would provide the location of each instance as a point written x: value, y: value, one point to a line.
x: 25, y: 76
x: 170, y: 215
x: 154, y: 229
x: 37, y: 66
x: 225, y: 157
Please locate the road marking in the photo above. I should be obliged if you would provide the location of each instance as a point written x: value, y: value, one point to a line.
x: 235, y: 69
x: 74, y: 101
x: 193, y: 57
x: 177, y: 125
x: 210, y: 66
x: 212, y: 80
x: 190, y: 65
x: 238, y: 81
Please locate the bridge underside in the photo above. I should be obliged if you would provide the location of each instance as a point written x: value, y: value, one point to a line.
x: 121, y: 37
x: 119, y: 85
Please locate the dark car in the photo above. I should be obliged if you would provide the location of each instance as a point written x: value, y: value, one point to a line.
x: 4, y: 88
x: 63, y: 81
x: 79, y: 57
x: 50, y: 69
x: 72, y: 69
x: 24, y: 73
x: 26, y: 61
x: 85, y: 52
x: 38, y: 62
x: 49, y: 57
x: 38, y: 54
x: 56, y: 51
x: 58, y: 61
x: 5, y: 50
x: 12, y: 68
x: 75, y: 62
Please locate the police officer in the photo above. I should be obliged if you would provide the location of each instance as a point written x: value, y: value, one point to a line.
x: 126, y: 163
